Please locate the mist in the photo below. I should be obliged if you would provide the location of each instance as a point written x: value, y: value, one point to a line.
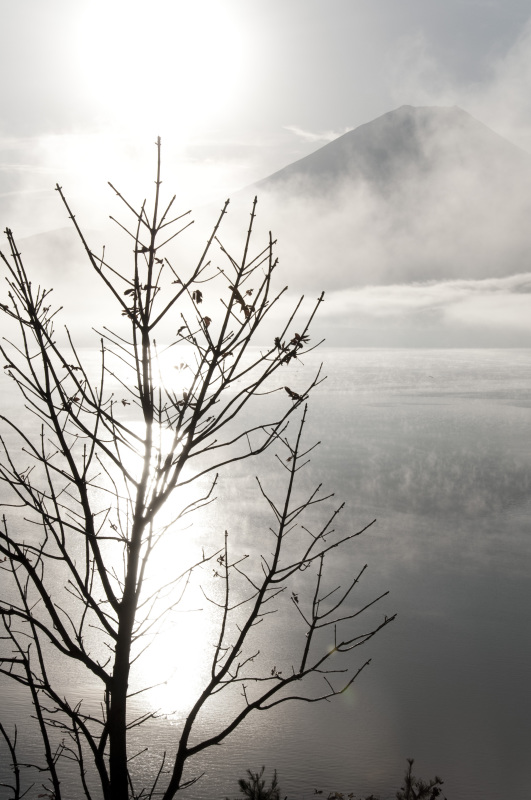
x: 415, y: 224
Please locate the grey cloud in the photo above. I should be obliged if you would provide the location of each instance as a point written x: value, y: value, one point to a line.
x: 489, y: 312
x: 400, y: 299
x: 416, y: 225
x: 429, y: 194
x: 499, y: 94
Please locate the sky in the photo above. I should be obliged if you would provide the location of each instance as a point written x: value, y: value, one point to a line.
x: 237, y: 90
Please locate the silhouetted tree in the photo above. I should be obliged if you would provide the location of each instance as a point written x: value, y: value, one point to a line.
x: 418, y: 789
x: 254, y: 788
x: 98, y: 475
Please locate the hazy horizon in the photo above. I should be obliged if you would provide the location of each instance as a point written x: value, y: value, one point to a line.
x: 239, y: 91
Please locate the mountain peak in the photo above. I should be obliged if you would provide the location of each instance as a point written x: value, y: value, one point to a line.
x: 383, y: 150
x: 418, y: 194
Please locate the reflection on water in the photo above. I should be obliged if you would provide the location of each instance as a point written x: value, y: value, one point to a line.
x: 435, y: 444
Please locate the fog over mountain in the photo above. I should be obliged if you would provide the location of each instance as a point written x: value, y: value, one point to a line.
x: 416, y: 224
x: 417, y: 194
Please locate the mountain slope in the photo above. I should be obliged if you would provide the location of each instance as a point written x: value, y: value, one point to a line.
x: 418, y: 194
x: 406, y: 139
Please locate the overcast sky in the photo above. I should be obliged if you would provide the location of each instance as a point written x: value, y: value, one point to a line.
x: 236, y: 88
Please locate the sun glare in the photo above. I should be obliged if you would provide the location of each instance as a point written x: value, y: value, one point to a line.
x: 176, y: 661
x: 160, y: 65
x: 174, y: 369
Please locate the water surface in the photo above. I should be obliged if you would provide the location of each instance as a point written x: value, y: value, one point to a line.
x: 434, y: 444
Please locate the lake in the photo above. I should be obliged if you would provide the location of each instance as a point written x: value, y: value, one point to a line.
x: 434, y: 444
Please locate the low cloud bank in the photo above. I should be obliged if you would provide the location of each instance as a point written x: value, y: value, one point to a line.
x: 473, y: 313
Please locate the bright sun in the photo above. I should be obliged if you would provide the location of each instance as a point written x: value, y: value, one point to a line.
x: 161, y: 64
x: 175, y: 662
x: 176, y: 649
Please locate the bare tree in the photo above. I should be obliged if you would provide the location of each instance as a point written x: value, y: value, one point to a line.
x: 92, y: 488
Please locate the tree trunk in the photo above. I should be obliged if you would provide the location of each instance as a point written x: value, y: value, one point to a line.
x: 120, y: 679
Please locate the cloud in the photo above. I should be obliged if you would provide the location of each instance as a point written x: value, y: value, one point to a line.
x: 501, y: 98
x: 464, y: 312
x: 452, y: 225
x: 83, y: 164
x: 313, y: 136
x: 505, y: 101
x: 444, y: 215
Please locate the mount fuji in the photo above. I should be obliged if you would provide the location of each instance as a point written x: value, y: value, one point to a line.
x: 418, y: 194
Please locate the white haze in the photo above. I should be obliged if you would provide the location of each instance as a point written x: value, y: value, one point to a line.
x: 424, y: 243
x: 411, y: 265
x: 430, y: 245
x: 500, y: 98
x: 492, y: 312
